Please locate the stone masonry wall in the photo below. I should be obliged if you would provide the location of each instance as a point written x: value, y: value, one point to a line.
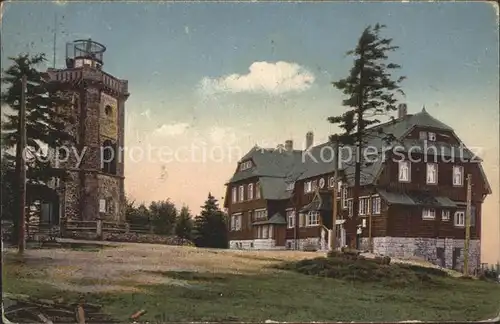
x: 109, y: 189
x: 426, y: 249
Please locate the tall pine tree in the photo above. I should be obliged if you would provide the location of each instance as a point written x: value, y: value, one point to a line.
x: 210, y: 227
x: 371, y: 92
x: 48, y: 108
x: 184, y: 226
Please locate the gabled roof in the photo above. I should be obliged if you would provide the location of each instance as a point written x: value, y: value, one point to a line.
x: 276, y: 167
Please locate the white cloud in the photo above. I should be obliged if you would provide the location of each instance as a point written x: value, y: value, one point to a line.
x: 273, y: 78
x: 172, y: 129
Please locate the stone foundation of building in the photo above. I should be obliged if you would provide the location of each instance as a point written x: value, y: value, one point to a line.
x: 444, y: 252
x: 257, y: 244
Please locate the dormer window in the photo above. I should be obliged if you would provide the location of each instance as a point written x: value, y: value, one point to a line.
x: 250, y: 191
x: 432, y: 170
x: 431, y: 136
x: 307, y: 186
x: 290, y: 186
x: 245, y: 165
x: 331, y: 182
x: 458, y: 176
x: 404, y: 171
x: 422, y: 135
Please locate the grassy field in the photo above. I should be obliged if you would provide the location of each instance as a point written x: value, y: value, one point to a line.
x: 189, y: 284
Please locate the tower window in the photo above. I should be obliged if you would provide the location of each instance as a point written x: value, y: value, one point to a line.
x: 108, y: 110
x: 109, y: 157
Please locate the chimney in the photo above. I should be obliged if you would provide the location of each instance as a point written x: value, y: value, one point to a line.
x: 402, y: 110
x: 309, y: 140
x: 289, y: 145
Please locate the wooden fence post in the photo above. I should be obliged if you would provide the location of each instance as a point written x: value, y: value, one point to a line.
x: 99, y: 229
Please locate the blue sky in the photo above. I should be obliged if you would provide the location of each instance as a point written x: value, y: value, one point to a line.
x: 448, y: 51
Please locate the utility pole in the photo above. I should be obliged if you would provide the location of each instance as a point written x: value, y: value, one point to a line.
x: 370, y: 211
x: 467, y: 225
x: 333, y: 236
x: 21, y: 159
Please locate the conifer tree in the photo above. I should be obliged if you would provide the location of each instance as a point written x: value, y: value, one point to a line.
x: 47, y: 106
x: 184, y: 226
x: 371, y: 92
x: 210, y: 227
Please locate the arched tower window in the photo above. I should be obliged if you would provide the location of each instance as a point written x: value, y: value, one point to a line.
x: 109, y: 157
x: 108, y: 110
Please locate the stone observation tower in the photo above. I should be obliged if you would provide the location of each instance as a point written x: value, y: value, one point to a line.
x: 95, y: 188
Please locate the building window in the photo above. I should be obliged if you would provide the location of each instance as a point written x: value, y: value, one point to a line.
x: 108, y: 110
x: 312, y: 218
x: 245, y: 165
x: 422, y: 135
x: 343, y: 196
x: 428, y: 213
x: 260, y: 214
x: 290, y: 217
x: 349, y: 207
x: 307, y: 186
x: 265, y: 232
x: 431, y: 136
x: 250, y: 191
x: 321, y: 183
x: 363, y: 206
x: 376, y: 205
x: 257, y: 190
x: 242, y: 193
x: 432, y: 173
x: 109, y: 157
x: 290, y: 186
x: 331, y: 182
x: 404, y: 171
x: 445, y: 215
x: 458, y: 176
x: 234, y: 194
x: 314, y: 185
x: 102, y: 205
x: 236, y: 222
x: 459, y: 218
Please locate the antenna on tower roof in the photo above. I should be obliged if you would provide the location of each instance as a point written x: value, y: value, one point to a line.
x: 55, y: 42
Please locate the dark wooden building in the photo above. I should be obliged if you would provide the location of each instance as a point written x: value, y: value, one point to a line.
x: 412, y: 201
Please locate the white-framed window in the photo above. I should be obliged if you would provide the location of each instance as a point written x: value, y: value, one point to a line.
x: 428, y: 213
x: 432, y: 173
x: 265, y: 232
x: 241, y: 193
x: 343, y: 196
x: 314, y: 185
x: 321, y: 183
x: 349, y: 207
x: 260, y: 214
x: 245, y: 165
x: 445, y: 215
x: 236, y: 222
x: 250, y: 191
x: 307, y: 186
x: 431, y: 136
x: 364, y: 206
x: 234, y: 194
x: 331, y: 182
x: 422, y: 135
x: 458, y: 175
x: 290, y: 186
x: 376, y: 204
x: 302, y: 218
x: 290, y: 218
x: 257, y: 190
x: 459, y: 219
x: 404, y: 171
x: 312, y: 218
